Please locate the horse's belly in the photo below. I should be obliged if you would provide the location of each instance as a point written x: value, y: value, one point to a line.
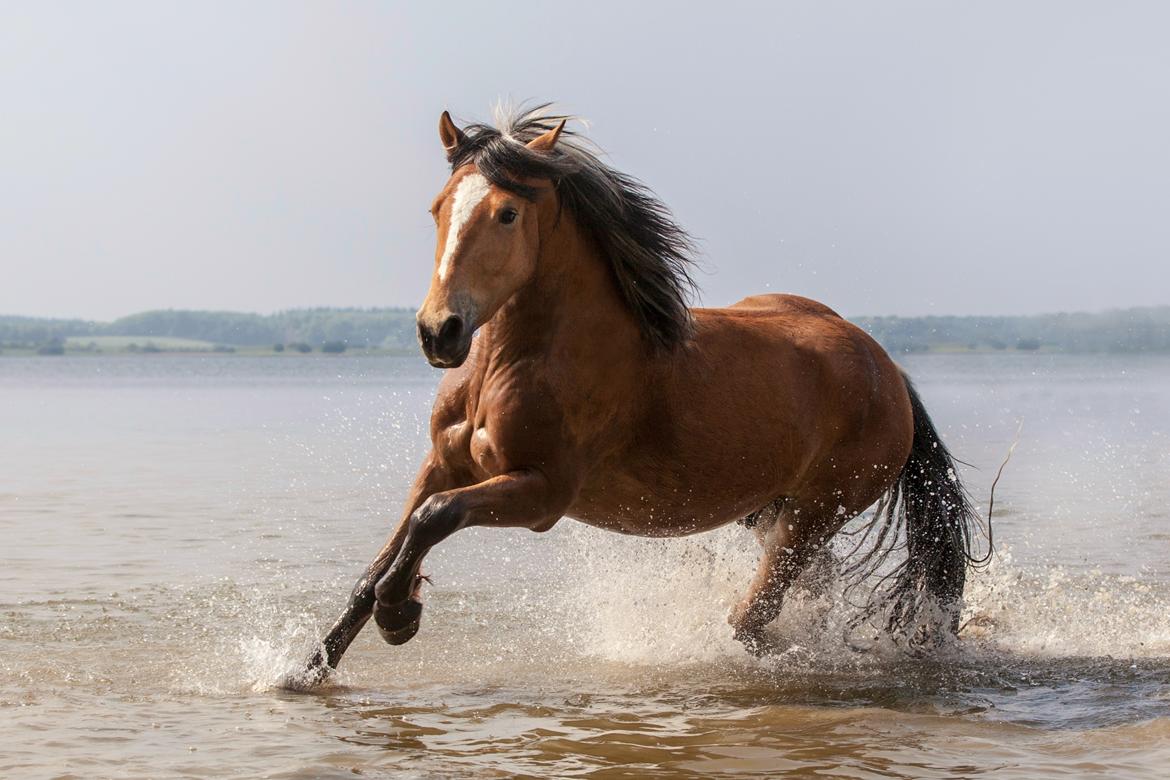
x: 667, y: 507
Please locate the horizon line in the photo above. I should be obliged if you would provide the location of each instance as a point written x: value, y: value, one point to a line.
x: 277, y: 312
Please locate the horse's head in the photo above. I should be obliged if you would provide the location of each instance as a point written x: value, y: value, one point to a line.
x: 487, y: 247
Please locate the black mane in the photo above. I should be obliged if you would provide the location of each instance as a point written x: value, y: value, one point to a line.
x: 649, y: 253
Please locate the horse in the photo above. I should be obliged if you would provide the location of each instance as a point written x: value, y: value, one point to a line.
x: 578, y: 383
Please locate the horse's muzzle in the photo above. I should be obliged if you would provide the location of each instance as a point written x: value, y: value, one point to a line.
x: 447, y: 345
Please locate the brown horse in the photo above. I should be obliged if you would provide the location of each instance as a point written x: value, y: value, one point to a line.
x: 592, y: 391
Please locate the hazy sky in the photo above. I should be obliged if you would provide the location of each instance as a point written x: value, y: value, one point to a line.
x: 886, y: 158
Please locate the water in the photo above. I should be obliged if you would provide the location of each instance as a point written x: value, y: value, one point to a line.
x: 177, y: 531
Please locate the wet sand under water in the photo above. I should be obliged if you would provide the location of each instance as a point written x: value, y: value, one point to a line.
x: 178, y: 532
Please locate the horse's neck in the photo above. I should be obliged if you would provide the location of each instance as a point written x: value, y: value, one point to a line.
x: 570, y: 311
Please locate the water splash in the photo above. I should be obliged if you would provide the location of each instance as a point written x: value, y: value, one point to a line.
x: 664, y: 602
x: 1056, y: 611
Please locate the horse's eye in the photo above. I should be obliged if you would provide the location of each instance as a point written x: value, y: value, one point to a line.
x: 508, y: 216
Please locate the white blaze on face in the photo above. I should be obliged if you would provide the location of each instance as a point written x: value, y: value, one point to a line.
x: 471, y: 190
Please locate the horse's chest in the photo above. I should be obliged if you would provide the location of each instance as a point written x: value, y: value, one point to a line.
x: 469, y: 447
x: 483, y: 451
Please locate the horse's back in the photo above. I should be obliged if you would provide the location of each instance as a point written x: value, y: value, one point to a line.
x: 785, y: 337
x: 792, y: 328
x: 783, y: 302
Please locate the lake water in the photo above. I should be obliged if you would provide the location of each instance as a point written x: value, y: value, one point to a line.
x: 175, y: 532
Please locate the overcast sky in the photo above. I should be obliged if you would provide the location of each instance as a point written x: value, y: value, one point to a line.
x: 885, y: 158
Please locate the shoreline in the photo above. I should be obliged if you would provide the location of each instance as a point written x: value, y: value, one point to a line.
x: 250, y: 352
x: 254, y: 352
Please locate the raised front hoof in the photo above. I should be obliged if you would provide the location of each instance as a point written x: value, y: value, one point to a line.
x: 398, y: 623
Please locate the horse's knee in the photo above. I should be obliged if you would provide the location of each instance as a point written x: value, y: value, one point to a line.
x: 436, y: 518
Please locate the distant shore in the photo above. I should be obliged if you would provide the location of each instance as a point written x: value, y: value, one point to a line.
x: 392, y: 332
x: 147, y: 351
x: 150, y: 347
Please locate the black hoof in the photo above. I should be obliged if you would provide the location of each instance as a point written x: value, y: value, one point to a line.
x: 307, y: 678
x: 756, y: 643
x: 398, y: 623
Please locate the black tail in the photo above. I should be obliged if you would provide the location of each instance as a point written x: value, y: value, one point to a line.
x: 929, y: 514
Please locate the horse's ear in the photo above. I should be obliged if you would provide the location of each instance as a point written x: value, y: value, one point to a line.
x: 546, y: 141
x: 449, y: 134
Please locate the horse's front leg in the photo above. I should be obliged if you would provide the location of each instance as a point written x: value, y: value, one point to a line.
x: 432, y: 478
x: 517, y: 499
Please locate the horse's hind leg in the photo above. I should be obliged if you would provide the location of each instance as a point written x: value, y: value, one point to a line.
x: 790, y: 540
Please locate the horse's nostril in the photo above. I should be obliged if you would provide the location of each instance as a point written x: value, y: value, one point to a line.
x: 424, y: 336
x: 452, y: 329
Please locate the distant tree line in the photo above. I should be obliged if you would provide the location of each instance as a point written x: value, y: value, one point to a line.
x: 41, y: 332
x: 299, y: 328
x: 1144, y: 329
x: 335, y: 330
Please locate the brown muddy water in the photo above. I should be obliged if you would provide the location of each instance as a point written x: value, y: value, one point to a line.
x: 175, y: 532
